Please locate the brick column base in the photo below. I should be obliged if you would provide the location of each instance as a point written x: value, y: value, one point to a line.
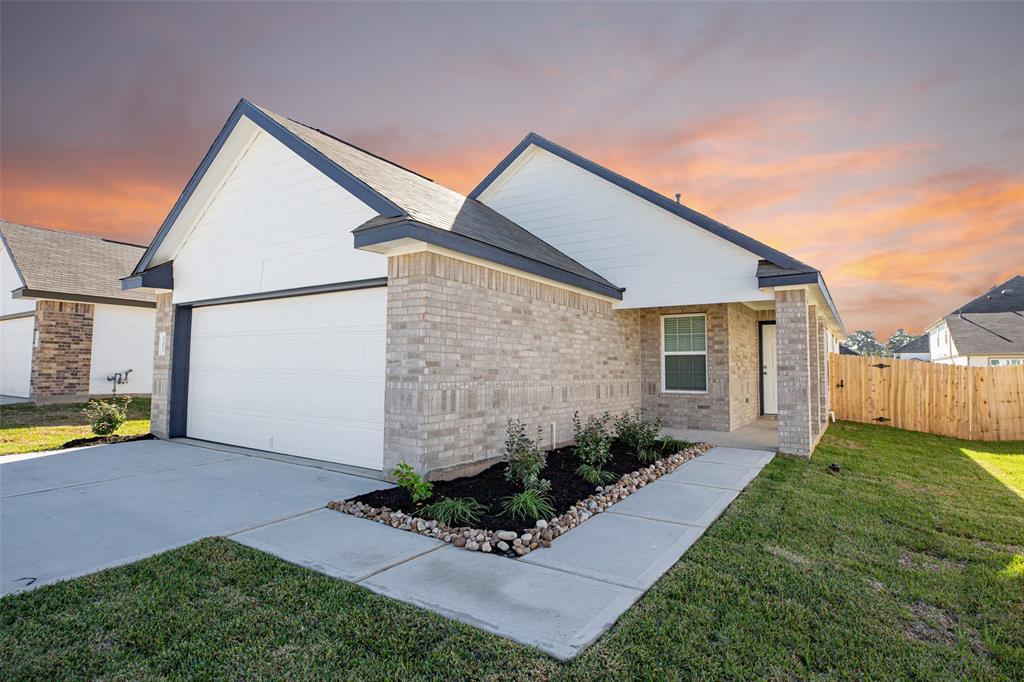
x: 794, y: 366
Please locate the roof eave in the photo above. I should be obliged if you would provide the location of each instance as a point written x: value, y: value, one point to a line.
x: 813, y: 277
x: 349, y: 182
x: 409, y: 229
x: 681, y: 210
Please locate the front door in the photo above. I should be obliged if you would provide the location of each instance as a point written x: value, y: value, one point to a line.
x: 769, y: 371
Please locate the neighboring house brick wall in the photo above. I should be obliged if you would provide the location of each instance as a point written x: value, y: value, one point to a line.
x: 160, y: 414
x: 62, y: 351
x: 794, y: 363
x: 710, y: 410
x: 470, y: 347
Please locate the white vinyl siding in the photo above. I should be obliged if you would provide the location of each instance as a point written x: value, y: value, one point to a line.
x: 276, y: 223
x: 301, y: 376
x: 16, y: 356
x: 684, y: 351
x: 122, y: 339
x: 9, y: 281
x: 658, y: 257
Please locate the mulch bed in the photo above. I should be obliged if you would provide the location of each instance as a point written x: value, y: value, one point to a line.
x: 104, y: 440
x: 489, y: 487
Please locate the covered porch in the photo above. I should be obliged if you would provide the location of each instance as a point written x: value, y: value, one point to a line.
x: 745, y: 374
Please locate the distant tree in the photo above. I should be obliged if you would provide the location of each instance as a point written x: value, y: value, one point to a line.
x: 863, y: 341
x: 898, y: 338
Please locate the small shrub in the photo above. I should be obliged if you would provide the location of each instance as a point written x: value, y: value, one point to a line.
x: 636, y: 433
x: 595, y: 475
x: 648, y: 456
x: 672, y: 445
x: 106, y: 416
x: 419, y: 490
x: 528, y: 505
x: 593, y: 447
x: 524, y: 458
x: 454, y: 511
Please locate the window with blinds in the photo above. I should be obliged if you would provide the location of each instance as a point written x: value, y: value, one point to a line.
x: 684, y: 359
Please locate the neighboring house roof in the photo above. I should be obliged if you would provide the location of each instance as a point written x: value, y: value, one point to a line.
x: 919, y: 344
x: 1002, y: 298
x: 987, y: 333
x: 72, y: 266
x: 846, y: 350
x: 408, y: 204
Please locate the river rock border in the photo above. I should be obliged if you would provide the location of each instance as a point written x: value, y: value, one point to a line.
x: 512, y: 543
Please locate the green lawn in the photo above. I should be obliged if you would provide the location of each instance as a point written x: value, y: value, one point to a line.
x: 908, y: 564
x: 27, y: 427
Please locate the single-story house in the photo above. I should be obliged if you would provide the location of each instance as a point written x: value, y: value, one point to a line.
x: 317, y: 300
x: 985, y: 332
x: 916, y: 349
x: 66, y: 325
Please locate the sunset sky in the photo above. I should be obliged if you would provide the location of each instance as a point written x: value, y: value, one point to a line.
x: 881, y: 143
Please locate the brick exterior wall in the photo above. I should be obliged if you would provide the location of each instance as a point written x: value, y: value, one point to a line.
x: 794, y: 366
x: 159, y: 416
x: 823, y: 393
x: 744, y: 366
x: 814, y: 365
x: 62, y: 351
x: 469, y: 347
x: 708, y: 410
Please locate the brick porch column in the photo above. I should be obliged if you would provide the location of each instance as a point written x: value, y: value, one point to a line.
x: 794, y: 367
x: 160, y: 413
x: 815, y: 370
x: 825, y: 384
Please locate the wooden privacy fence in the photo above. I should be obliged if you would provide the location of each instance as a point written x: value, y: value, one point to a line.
x: 975, y: 403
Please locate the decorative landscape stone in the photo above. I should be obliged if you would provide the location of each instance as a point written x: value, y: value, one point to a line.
x: 520, y: 543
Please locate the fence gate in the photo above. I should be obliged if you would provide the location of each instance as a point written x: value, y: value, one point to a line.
x: 975, y: 403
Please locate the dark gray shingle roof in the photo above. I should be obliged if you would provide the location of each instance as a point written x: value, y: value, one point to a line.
x: 919, y: 344
x: 72, y: 263
x: 427, y: 202
x: 987, y: 333
x: 1005, y: 297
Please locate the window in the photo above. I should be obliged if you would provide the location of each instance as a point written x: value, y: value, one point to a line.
x: 1004, y: 362
x: 684, y: 357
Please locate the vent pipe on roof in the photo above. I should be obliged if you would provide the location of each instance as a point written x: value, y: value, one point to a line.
x: 678, y: 197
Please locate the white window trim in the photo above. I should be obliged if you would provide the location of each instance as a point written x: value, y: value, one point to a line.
x: 661, y: 333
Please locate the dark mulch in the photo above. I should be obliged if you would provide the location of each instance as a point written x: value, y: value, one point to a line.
x: 105, y: 440
x: 489, y: 487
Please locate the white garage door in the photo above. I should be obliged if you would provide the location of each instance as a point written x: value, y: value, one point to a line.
x: 16, y: 356
x: 300, y: 376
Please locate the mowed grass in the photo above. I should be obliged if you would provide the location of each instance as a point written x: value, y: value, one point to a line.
x: 26, y: 427
x: 907, y: 564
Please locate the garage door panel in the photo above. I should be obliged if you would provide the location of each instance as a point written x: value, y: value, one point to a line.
x: 309, y: 384
x: 16, y: 356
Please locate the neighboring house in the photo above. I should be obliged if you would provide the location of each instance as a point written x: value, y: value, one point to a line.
x: 320, y: 301
x: 915, y: 349
x: 65, y: 323
x: 986, y: 332
x: 846, y: 350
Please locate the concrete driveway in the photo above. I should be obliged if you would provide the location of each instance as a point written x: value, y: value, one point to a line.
x: 70, y: 513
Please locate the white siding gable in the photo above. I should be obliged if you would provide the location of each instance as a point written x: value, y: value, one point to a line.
x: 10, y: 280
x: 658, y: 257
x: 275, y: 223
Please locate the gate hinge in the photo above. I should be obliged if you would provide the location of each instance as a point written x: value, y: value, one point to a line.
x: 881, y: 365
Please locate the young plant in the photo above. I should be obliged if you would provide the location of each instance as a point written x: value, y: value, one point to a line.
x: 672, y: 445
x: 106, y: 416
x: 648, y: 456
x: 524, y: 458
x: 593, y: 448
x: 637, y: 434
x: 419, y: 490
x: 454, y: 511
x: 528, y: 505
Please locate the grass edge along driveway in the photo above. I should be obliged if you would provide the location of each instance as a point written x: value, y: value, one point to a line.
x: 909, y: 563
x: 27, y: 427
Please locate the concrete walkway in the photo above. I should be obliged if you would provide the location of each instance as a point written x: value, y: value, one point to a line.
x: 559, y: 599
